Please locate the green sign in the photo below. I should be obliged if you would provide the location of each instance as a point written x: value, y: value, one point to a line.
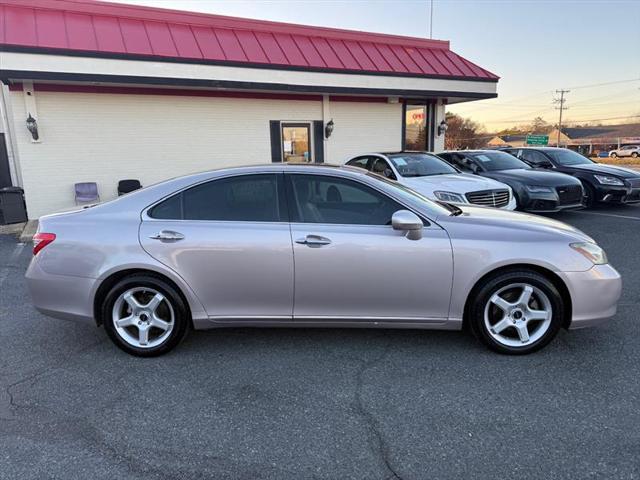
x: 537, y: 139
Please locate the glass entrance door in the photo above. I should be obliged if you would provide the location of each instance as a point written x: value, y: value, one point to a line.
x: 296, y: 142
x: 415, y: 134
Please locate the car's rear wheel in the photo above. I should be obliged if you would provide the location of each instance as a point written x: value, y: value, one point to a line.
x: 635, y: 154
x: 144, y: 315
x: 516, y: 312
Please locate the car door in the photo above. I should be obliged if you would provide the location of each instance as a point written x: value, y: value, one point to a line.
x: 351, y: 264
x: 229, y: 239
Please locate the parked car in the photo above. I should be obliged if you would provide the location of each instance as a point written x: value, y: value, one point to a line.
x: 602, y: 183
x: 217, y: 249
x: 603, y: 154
x: 535, y: 190
x: 436, y: 179
x: 626, y: 151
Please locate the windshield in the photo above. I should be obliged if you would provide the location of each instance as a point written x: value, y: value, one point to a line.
x: 420, y: 165
x: 493, y: 161
x: 567, y: 157
x: 411, y: 195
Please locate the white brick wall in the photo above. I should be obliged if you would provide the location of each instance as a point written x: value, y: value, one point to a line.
x: 108, y: 137
x: 364, y: 127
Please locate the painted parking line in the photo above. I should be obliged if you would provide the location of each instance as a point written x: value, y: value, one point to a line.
x: 607, y: 215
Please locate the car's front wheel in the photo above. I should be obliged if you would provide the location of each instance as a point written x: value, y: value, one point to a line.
x: 516, y: 312
x: 144, y: 315
x: 635, y: 154
x: 614, y: 155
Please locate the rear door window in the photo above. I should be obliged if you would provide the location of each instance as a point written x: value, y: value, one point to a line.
x: 244, y: 198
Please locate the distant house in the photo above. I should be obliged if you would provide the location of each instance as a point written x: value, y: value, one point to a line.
x: 592, y: 140
x: 586, y: 140
x: 507, y: 141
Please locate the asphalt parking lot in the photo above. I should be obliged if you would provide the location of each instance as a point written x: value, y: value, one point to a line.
x: 322, y: 404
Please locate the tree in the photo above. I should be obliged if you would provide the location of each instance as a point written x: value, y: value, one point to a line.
x: 463, y: 133
x: 539, y: 125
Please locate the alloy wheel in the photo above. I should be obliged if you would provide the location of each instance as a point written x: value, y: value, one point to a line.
x: 518, y: 315
x: 143, y: 317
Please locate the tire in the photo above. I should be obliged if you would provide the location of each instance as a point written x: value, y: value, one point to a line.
x: 635, y: 154
x: 503, y: 332
x: 590, y: 195
x: 145, y: 308
x: 614, y: 155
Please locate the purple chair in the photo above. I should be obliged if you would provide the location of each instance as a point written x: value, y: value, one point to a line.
x: 86, y: 192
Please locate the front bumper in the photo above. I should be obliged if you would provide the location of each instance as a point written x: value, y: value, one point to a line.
x: 621, y: 194
x: 594, y: 295
x: 60, y: 296
x: 547, y: 202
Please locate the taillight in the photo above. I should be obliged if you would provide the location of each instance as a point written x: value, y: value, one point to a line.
x: 41, y: 240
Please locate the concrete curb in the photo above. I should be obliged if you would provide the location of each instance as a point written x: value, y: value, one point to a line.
x: 29, y: 231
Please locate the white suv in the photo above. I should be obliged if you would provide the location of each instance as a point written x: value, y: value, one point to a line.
x: 626, y: 151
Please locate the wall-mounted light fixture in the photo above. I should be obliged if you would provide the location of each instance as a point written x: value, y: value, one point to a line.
x: 442, y: 127
x: 32, y: 126
x: 328, y: 129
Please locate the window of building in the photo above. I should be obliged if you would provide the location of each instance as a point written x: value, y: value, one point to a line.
x: 330, y: 200
x: 296, y: 142
x: 246, y: 198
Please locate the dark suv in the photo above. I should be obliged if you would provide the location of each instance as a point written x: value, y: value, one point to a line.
x: 602, y: 183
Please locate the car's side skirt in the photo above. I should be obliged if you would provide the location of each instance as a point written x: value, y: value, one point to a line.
x: 329, y: 322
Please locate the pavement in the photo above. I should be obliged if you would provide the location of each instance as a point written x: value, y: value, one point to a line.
x: 322, y: 404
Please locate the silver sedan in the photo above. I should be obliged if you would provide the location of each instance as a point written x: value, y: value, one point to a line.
x: 314, y: 246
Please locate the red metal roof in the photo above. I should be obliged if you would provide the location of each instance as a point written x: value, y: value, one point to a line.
x: 109, y: 29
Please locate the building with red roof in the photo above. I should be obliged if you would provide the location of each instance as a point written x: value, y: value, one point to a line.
x: 118, y: 91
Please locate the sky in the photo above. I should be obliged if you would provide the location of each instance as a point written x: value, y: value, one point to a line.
x: 589, y: 47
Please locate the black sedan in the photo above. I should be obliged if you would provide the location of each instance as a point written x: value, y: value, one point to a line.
x: 535, y: 190
x: 602, y: 183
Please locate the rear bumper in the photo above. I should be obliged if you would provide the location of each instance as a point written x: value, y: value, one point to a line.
x: 60, y: 296
x: 594, y: 295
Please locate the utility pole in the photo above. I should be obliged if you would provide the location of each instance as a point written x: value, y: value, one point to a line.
x: 560, y: 101
x: 431, y: 19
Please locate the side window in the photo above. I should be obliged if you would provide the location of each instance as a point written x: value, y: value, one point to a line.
x: 324, y: 199
x: 246, y: 198
x: 459, y: 161
x: 381, y: 167
x: 532, y: 156
x: 360, y: 162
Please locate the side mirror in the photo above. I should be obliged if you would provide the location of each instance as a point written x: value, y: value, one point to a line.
x: 409, y: 222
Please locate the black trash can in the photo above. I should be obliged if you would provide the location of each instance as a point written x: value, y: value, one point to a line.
x: 12, y: 206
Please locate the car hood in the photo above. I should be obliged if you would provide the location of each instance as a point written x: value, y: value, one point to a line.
x: 608, y: 169
x: 517, y: 222
x: 533, y: 177
x: 457, y: 183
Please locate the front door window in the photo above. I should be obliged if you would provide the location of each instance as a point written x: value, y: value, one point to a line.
x: 296, y: 142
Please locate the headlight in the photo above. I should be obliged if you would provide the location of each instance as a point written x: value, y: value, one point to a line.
x: 607, y: 180
x: 449, y: 197
x: 538, y: 189
x: 591, y: 251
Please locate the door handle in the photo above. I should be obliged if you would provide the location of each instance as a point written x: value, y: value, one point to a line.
x: 313, y: 241
x: 167, y: 235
